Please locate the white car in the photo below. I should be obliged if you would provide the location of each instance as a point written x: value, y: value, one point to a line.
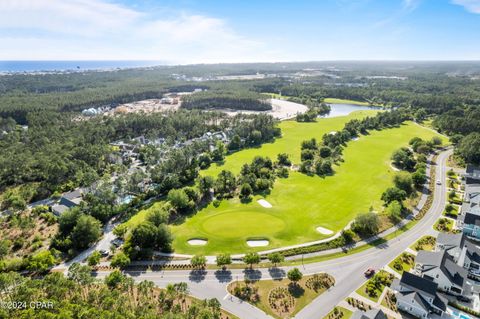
x: 439, y: 182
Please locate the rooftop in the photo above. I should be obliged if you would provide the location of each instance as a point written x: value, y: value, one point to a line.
x: 419, y: 284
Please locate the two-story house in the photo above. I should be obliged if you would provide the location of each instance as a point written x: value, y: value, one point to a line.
x: 469, y: 218
x: 440, y: 268
x: 418, y: 296
x: 450, y: 243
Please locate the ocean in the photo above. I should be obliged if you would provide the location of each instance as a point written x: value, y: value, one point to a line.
x: 39, y: 66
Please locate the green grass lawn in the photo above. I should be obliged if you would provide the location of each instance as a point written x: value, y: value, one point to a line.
x: 444, y: 225
x: 293, y: 134
x: 361, y: 291
x: 405, y: 260
x: 344, y: 101
x: 453, y: 213
x: 302, y: 294
x: 300, y: 203
x: 341, y: 313
x: 424, y: 243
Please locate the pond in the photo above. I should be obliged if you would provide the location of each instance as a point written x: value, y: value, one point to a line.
x: 345, y: 109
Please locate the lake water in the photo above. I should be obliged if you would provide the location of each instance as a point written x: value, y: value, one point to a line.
x: 345, y: 109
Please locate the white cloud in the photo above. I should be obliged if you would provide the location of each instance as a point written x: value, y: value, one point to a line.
x: 472, y: 6
x: 97, y: 29
x: 410, y: 5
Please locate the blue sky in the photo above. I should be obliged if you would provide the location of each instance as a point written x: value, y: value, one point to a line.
x: 193, y: 31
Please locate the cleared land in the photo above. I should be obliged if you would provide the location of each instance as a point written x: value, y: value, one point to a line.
x: 300, y: 203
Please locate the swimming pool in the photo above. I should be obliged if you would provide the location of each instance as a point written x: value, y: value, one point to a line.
x: 460, y: 315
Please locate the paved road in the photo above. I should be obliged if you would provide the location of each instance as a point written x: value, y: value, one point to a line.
x: 348, y: 270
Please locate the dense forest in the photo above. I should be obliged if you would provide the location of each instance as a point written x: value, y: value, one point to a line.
x: 79, y: 295
x: 226, y: 100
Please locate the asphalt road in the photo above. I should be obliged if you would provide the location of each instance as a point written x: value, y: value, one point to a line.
x: 348, y: 270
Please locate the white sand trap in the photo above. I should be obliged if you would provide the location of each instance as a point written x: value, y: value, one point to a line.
x: 257, y: 242
x: 264, y: 203
x: 333, y: 132
x: 324, y: 231
x: 197, y: 242
x: 356, y: 138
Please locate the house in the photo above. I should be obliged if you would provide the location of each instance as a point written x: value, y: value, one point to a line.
x: 67, y: 201
x: 472, y: 174
x: 470, y: 259
x: 59, y: 209
x: 370, y: 314
x: 418, y: 296
x: 71, y: 199
x: 440, y: 268
x: 463, y: 251
x: 450, y: 243
x: 469, y: 219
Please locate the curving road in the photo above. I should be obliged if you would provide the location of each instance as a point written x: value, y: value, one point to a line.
x: 348, y: 270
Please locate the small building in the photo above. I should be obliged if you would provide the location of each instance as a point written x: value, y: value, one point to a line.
x: 370, y: 314
x: 418, y: 296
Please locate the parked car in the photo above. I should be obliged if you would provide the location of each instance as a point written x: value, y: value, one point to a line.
x: 117, y: 242
x: 369, y: 272
x: 439, y: 182
x: 104, y: 253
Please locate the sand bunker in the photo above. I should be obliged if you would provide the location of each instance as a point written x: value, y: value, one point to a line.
x: 264, y: 203
x: 356, y: 138
x: 197, y: 242
x: 324, y: 231
x: 257, y: 242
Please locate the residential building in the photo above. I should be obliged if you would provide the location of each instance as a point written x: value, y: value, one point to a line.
x: 418, y: 296
x: 470, y: 259
x: 464, y: 251
x: 440, y: 268
x: 71, y: 199
x: 450, y: 243
x: 472, y: 174
x: 370, y: 314
x: 67, y: 201
x: 469, y: 218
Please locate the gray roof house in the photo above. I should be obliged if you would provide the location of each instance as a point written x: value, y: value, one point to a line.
x: 71, y: 199
x: 469, y: 219
x: 450, y: 243
x: 440, y: 268
x: 370, y: 314
x: 418, y: 296
x: 470, y: 258
x: 472, y: 174
x: 67, y: 201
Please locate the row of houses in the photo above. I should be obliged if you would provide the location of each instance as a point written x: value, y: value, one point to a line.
x: 469, y: 217
x: 449, y: 272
